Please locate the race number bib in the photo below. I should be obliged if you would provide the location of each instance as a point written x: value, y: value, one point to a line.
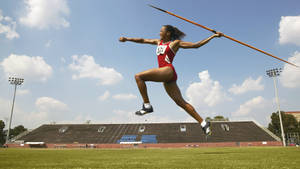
x: 161, y: 49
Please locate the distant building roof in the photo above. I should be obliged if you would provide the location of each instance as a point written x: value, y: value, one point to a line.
x: 296, y: 114
x: 293, y: 112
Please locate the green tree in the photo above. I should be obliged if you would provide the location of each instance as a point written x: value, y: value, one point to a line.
x: 17, y: 130
x: 208, y: 119
x: 220, y: 118
x: 2, y: 136
x: 289, y: 122
x: 217, y: 118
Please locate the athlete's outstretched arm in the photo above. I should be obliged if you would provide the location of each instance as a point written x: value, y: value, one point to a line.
x: 140, y: 40
x: 187, y: 45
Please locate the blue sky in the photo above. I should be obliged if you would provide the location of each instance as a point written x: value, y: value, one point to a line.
x: 75, y: 69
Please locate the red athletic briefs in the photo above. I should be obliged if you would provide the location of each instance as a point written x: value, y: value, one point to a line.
x: 165, y: 57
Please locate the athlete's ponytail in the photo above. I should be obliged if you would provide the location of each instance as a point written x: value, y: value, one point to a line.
x: 175, y: 32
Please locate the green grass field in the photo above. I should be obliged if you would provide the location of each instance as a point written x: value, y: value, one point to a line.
x: 206, y: 158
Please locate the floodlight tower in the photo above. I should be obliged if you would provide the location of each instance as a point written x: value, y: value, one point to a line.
x: 274, y: 73
x: 14, y: 81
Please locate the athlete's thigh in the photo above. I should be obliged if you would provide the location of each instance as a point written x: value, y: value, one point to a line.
x: 163, y: 74
x: 174, y: 92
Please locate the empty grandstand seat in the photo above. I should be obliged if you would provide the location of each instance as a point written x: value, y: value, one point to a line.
x: 149, y: 139
x: 127, y: 138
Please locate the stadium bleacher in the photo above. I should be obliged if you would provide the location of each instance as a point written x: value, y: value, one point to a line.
x: 147, y: 133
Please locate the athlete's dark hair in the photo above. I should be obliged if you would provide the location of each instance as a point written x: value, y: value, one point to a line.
x: 175, y: 32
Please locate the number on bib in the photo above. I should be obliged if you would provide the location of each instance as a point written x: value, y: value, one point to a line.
x: 161, y: 49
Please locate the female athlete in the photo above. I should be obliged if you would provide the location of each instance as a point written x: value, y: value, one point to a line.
x: 167, y: 47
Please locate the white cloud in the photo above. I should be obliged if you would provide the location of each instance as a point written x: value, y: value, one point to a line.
x: 105, y: 96
x: 257, y: 109
x: 29, y: 68
x: 248, y: 85
x: 250, y: 106
x: 290, y: 76
x: 8, y: 27
x: 289, y: 30
x: 86, y: 67
x: 47, y: 110
x: 50, y: 105
x: 35, y: 119
x: 124, y: 96
x: 206, y: 92
x: 43, y: 14
x: 20, y: 117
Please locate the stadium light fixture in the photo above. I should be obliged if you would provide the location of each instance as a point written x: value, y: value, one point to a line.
x: 14, y: 81
x: 274, y: 73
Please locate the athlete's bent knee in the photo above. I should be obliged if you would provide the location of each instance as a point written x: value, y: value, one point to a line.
x: 137, y: 77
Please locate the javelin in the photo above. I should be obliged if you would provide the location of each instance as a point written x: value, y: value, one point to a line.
x: 226, y: 36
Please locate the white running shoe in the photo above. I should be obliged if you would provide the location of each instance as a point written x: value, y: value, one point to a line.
x: 206, y: 129
x: 144, y: 110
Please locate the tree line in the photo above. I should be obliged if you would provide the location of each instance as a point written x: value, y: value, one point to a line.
x: 13, y: 132
x: 289, y: 122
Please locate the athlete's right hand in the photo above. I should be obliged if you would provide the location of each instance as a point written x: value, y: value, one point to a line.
x: 122, y: 39
x: 219, y: 34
